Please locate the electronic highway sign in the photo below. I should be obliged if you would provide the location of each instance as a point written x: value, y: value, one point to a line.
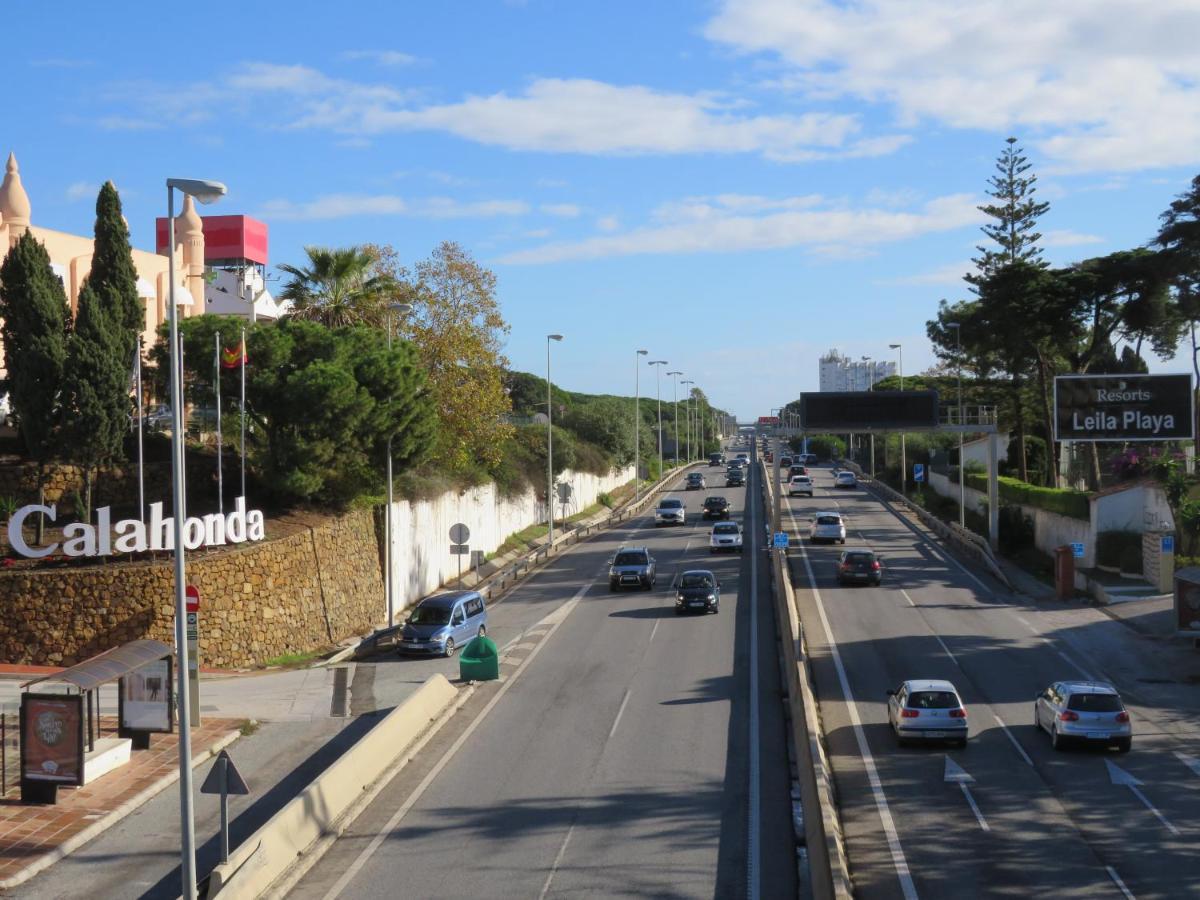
x: 1123, y: 408
x: 838, y: 411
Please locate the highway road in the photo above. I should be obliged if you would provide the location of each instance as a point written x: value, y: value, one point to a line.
x: 622, y: 754
x: 1008, y: 816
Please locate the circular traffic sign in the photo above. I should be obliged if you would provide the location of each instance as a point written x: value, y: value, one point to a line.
x: 193, y: 598
x: 460, y: 533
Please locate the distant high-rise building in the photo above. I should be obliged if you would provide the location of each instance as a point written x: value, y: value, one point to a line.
x: 840, y: 373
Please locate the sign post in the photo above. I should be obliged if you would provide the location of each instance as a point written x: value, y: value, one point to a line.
x: 918, y: 472
x: 224, y: 779
x: 193, y: 653
x: 459, y: 535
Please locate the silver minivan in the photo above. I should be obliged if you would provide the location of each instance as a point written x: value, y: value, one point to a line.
x: 444, y: 622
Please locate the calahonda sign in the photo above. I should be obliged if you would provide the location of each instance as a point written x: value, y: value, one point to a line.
x: 105, y: 537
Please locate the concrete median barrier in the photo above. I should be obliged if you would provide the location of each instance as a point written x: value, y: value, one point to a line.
x: 316, y: 812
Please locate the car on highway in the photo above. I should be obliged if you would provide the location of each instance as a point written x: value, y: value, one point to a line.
x: 800, y: 484
x: 1085, y: 712
x: 441, y: 623
x: 725, y: 537
x: 698, y: 591
x: 716, y: 507
x: 845, y: 479
x: 670, y: 511
x: 827, y: 527
x: 859, y: 567
x: 796, y: 469
x: 735, y: 477
x: 742, y: 459
x: 632, y: 567
x: 784, y: 462
x: 809, y: 459
x: 716, y: 459
x: 927, y: 710
x: 696, y: 482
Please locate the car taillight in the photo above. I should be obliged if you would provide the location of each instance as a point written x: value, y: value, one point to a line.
x: 1067, y: 716
x: 909, y: 713
x: 958, y: 713
x: 875, y: 565
x: 846, y: 567
x: 1122, y: 716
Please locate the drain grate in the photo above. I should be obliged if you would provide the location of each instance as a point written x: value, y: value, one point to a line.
x: 341, y: 693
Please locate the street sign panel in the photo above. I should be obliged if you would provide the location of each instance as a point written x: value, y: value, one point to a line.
x: 918, y: 471
x: 1123, y: 408
x: 460, y: 550
x: 781, y: 540
x: 234, y: 783
x: 193, y: 598
x: 460, y: 533
x: 1077, y: 550
x: 1168, y: 543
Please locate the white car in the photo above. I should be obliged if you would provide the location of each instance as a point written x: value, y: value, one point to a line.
x: 725, y: 536
x: 845, y: 479
x: 800, y: 484
x: 827, y: 526
x: 670, y: 511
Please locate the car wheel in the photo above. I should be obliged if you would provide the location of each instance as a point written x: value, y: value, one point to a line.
x: 612, y: 588
x: 962, y: 743
x: 1056, y: 740
x: 1124, y: 746
x: 449, y: 651
x: 648, y: 585
x: 1037, y: 717
x: 843, y: 540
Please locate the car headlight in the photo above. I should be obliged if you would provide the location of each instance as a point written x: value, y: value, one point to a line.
x: 711, y: 598
x: 679, y: 598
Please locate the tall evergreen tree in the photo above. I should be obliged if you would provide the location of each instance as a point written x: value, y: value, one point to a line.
x: 1014, y: 215
x: 113, y: 276
x: 96, y: 385
x: 33, y: 306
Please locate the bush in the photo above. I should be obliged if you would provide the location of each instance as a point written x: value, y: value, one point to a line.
x: 1131, y: 560
x: 1111, y: 547
x: 1064, y: 501
x: 605, y: 499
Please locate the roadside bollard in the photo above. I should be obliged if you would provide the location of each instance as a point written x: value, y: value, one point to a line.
x: 479, y: 660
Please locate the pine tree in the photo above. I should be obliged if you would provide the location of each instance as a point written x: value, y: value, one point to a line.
x: 113, y: 276
x: 1015, y: 213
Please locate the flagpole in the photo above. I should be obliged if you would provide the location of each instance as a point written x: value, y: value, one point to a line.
x: 220, y: 469
x: 242, y: 351
x: 141, y: 414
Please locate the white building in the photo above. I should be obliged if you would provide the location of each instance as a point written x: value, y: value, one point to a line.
x: 839, y: 373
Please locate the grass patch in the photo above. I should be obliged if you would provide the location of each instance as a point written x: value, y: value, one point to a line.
x: 522, y: 540
x: 248, y: 727
x: 295, y: 659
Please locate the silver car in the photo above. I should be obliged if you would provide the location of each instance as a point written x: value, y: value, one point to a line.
x: 827, y: 526
x: 845, y: 479
x: 927, y: 710
x: 1089, y: 712
x: 670, y: 511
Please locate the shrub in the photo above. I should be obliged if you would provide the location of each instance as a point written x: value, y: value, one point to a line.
x: 605, y: 499
x: 8, y: 506
x: 1064, y: 501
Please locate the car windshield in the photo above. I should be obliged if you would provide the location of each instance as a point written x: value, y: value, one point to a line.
x: 725, y: 529
x: 630, y: 559
x: 695, y: 476
x: 430, y: 615
x: 715, y: 501
x: 932, y: 700
x: 1095, y: 703
x: 828, y: 520
x: 694, y: 580
x: 860, y: 557
x: 671, y: 504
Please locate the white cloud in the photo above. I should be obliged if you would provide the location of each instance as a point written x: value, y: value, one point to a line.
x: 700, y: 226
x: 1068, y: 238
x: 81, y: 190
x: 949, y: 274
x: 608, y: 223
x: 561, y: 210
x: 341, y: 206
x: 1100, y: 84
x: 381, y: 57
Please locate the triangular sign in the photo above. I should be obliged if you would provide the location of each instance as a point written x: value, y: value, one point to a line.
x: 1119, y: 776
x: 956, y: 773
x: 234, y: 782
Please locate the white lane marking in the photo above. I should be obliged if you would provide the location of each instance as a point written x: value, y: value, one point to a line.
x: 1008, y: 734
x: 908, y: 598
x: 753, y: 807
x: 562, y: 851
x: 956, y: 774
x: 974, y: 808
x: 899, y: 861
x: 1078, y: 668
x: 1112, y: 873
x: 1121, y: 778
x: 654, y: 630
x: 620, y: 712
x: 557, y: 617
x: 947, y: 649
x: 1025, y: 622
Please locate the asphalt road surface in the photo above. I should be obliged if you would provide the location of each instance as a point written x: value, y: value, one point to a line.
x: 1023, y: 820
x: 619, y: 760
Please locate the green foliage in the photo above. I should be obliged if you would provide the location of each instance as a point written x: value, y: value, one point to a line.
x: 1014, y: 213
x: 33, y: 307
x: 826, y: 446
x: 338, y: 288
x: 8, y: 506
x: 113, y: 276
x: 607, y: 423
x: 1112, y: 546
x: 1016, y: 530
x: 604, y: 498
x: 95, y: 385
x: 1063, y: 501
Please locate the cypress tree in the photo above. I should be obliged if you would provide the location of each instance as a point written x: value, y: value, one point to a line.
x: 113, y: 276
x: 34, y: 309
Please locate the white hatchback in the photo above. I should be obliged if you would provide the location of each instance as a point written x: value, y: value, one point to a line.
x: 726, y: 536
x: 827, y: 526
x: 800, y: 484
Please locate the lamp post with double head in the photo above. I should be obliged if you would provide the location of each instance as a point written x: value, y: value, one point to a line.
x: 550, y: 440
x: 687, y: 406
x: 962, y: 492
x: 637, y: 424
x: 204, y: 192
x: 675, y: 394
x: 658, y: 397
x: 903, y: 457
x: 389, y: 590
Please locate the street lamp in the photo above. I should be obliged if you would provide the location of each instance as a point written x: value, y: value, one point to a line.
x: 687, y: 405
x: 962, y: 493
x: 637, y: 426
x: 903, y: 457
x: 676, y: 395
x: 205, y: 192
x: 388, y: 589
x: 658, y: 395
x: 550, y: 440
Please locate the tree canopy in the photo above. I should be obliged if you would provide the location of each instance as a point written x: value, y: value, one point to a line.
x: 337, y: 288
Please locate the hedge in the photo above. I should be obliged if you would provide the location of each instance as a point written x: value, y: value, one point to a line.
x: 1064, y: 501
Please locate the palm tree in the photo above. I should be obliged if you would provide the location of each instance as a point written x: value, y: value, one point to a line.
x: 337, y: 288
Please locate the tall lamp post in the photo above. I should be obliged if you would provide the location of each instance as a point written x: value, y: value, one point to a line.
x: 204, y: 192
x: 637, y: 425
x: 903, y: 459
x: 687, y: 404
x: 962, y: 493
x: 388, y: 589
x: 550, y: 439
x: 676, y: 396
x: 658, y: 396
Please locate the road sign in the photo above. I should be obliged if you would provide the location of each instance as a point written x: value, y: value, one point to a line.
x: 460, y: 533
x: 224, y: 779
x: 564, y: 491
x: 781, y: 540
x: 193, y: 598
x: 1077, y: 550
x: 1123, y: 407
x: 918, y: 471
x: 1168, y: 543
x: 460, y: 550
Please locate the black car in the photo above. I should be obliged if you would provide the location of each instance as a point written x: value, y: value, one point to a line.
x: 859, y: 567
x: 784, y: 462
x: 632, y: 567
x: 716, y: 508
x: 735, y: 477
x: 716, y: 459
x: 699, y: 591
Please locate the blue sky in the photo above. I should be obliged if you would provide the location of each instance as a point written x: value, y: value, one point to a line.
x: 737, y: 186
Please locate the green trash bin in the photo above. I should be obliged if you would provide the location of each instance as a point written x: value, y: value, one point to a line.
x: 479, y: 660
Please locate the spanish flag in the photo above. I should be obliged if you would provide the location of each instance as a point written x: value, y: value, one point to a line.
x: 235, y: 358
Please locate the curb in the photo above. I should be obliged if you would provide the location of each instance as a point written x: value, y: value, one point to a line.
x: 70, y: 845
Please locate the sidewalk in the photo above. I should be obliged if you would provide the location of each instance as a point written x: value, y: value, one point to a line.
x: 35, y: 837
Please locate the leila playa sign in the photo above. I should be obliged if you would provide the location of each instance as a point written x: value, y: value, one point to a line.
x: 1123, y: 408
x: 132, y: 535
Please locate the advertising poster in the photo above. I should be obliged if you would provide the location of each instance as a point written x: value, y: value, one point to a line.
x: 52, y: 738
x: 146, y: 698
x: 1123, y: 408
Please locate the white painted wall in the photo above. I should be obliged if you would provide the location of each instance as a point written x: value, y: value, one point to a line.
x: 421, y: 559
